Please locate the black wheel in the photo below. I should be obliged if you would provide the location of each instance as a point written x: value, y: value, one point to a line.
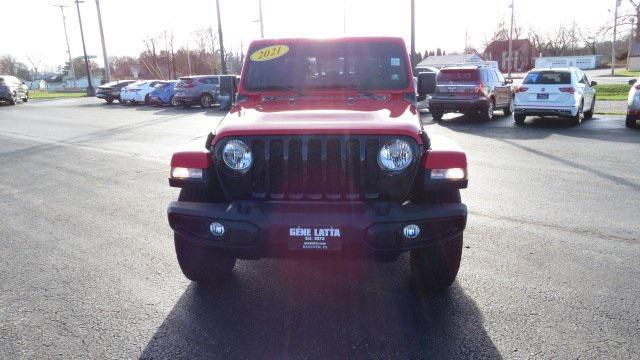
x: 200, y: 263
x: 631, y: 122
x: 14, y: 99
x: 146, y: 99
x: 133, y: 102
x: 171, y: 101
x: 577, y: 120
x: 437, y: 115
x: 109, y: 101
x: 435, y: 268
x: 206, y: 101
x: 487, y: 114
x: 25, y: 98
x: 519, y: 118
x: 589, y: 114
x: 508, y: 110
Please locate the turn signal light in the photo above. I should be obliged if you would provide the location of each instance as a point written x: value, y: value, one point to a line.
x: 186, y: 173
x: 449, y: 174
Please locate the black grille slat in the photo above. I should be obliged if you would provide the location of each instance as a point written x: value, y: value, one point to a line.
x: 258, y: 169
x: 276, y: 169
x: 295, y: 168
x: 334, y: 169
x: 352, y: 171
x: 315, y: 169
x: 371, y: 169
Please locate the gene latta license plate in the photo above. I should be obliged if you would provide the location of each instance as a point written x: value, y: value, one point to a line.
x: 315, y: 238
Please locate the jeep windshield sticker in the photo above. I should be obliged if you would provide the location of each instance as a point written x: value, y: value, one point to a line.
x: 395, y: 61
x: 269, y: 53
x: 314, y: 238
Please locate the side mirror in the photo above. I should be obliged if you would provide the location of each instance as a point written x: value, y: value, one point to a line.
x: 594, y: 83
x: 632, y: 81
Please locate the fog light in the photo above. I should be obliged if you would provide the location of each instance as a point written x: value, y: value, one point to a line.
x: 216, y: 229
x: 411, y: 231
x: 448, y: 174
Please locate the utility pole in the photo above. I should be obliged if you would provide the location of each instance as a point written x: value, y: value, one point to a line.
x: 344, y: 16
x: 633, y: 21
x: 413, y: 34
x: 107, y: 71
x: 510, y: 57
x: 259, y: 13
x: 90, y: 90
x: 66, y: 36
x: 223, y: 63
x: 613, y: 44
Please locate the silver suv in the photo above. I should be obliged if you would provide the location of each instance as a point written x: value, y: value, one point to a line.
x: 200, y: 90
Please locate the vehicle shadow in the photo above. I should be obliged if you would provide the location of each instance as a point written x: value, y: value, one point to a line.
x: 299, y: 309
x: 503, y: 127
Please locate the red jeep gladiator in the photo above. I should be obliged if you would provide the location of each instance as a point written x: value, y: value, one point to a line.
x: 323, y: 156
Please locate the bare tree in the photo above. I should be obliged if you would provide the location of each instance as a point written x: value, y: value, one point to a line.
x: 35, y: 60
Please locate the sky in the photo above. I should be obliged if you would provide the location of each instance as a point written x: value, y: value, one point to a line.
x: 38, y: 30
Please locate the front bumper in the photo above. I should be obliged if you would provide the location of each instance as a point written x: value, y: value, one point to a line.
x: 458, y: 105
x: 132, y: 96
x: 366, y: 230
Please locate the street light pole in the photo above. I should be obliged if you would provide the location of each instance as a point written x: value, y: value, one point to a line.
x: 413, y: 34
x: 223, y: 63
x: 66, y: 36
x: 90, y: 90
x: 260, y: 14
x: 510, y: 58
x: 613, y: 44
x: 107, y: 71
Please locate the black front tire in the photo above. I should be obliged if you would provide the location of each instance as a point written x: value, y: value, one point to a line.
x: 437, y: 115
x: 199, y: 263
x: 519, y: 119
x: 577, y: 120
x: 487, y: 114
x: 631, y: 122
x: 202, y: 264
x: 109, y: 101
x: 588, y: 115
x: 508, y: 110
x: 435, y: 268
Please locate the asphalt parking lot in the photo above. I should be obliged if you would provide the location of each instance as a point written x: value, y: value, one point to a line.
x: 550, y: 266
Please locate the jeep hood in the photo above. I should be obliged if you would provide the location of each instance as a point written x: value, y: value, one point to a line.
x: 324, y: 117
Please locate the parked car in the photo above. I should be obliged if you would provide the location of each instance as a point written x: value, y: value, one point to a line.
x: 138, y: 92
x: 13, y: 89
x: 562, y: 92
x: 633, y: 105
x: 320, y: 163
x: 206, y: 91
x: 162, y: 94
x: 111, y: 91
x: 471, y: 90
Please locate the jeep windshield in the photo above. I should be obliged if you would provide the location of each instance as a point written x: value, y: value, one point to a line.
x: 327, y: 66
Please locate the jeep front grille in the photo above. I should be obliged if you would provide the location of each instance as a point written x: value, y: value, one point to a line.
x: 315, y: 168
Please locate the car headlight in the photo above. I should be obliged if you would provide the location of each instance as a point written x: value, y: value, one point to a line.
x: 395, y: 155
x: 237, y: 155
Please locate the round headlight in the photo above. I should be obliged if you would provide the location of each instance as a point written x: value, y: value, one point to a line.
x: 237, y: 155
x: 395, y: 155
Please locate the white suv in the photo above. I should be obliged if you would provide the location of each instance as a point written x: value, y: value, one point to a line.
x: 565, y: 92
